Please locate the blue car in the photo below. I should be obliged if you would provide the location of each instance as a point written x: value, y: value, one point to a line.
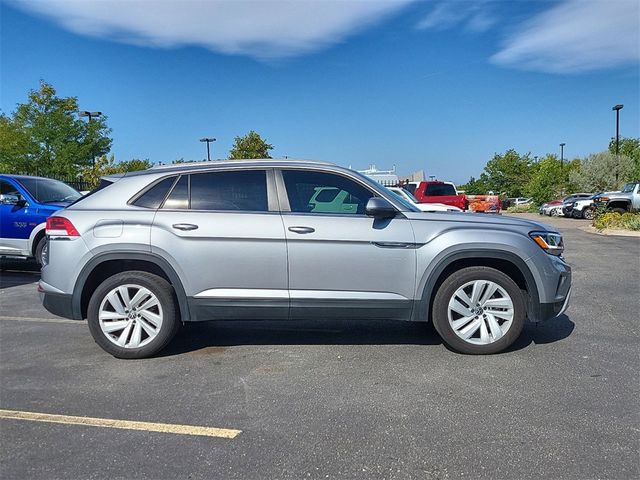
x: 25, y: 204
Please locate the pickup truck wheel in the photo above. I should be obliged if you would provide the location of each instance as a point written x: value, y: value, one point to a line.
x: 618, y: 210
x: 588, y: 213
x: 478, y: 310
x: 37, y: 254
x: 133, y: 314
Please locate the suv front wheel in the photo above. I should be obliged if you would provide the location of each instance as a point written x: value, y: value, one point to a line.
x: 133, y: 314
x: 479, y: 310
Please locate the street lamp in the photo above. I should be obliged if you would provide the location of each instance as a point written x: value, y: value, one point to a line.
x: 86, y: 113
x: 617, y: 108
x: 562, y: 155
x: 208, y: 140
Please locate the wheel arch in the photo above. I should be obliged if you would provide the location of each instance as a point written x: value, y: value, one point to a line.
x: 107, y: 264
x: 504, y: 261
x: 36, y: 234
x: 626, y: 204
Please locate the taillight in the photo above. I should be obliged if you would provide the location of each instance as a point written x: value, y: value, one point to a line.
x: 61, y: 227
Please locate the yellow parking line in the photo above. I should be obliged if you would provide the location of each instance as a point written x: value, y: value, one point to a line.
x: 121, y: 424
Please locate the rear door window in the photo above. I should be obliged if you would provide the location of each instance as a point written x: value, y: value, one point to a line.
x: 242, y: 190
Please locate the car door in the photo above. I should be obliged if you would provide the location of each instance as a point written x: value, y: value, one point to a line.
x: 343, y: 263
x: 223, y: 233
x: 15, y: 220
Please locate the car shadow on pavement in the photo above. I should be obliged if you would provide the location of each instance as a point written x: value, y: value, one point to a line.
x: 14, y: 273
x: 196, y: 336
x: 549, y: 331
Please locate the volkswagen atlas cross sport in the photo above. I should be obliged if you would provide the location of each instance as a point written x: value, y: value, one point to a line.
x: 228, y: 240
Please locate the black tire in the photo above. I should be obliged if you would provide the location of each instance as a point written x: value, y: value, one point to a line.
x: 588, y: 213
x: 37, y: 253
x: 618, y: 210
x: 457, y: 280
x: 167, y: 299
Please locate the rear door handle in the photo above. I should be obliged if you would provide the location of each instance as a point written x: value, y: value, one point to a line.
x: 302, y: 230
x: 185, y: 226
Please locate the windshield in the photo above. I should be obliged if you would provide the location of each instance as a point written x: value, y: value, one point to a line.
x: 628, y: 188
x: 46, y: 190
x: 409, y: 194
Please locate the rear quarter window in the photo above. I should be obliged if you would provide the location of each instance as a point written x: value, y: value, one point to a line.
x: 440, y: 189
x: 154, y: 196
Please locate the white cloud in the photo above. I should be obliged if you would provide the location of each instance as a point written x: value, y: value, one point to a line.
x: 257, y: 28
x: 576, y: 36
x: 476, y: 16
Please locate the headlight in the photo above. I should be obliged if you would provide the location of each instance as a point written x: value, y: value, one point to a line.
x: 550, y: 242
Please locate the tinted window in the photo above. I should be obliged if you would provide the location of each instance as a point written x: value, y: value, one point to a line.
x: 46, y: 190
x: 304, y: 189
x: 7, y: 189
x: 244, y: 190
x: 153, y: 197
x: 411, y: 188
x: 440, y: 189
x: 179, y: 196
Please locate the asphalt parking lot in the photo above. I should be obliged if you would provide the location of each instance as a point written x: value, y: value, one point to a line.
x: 334, y: 399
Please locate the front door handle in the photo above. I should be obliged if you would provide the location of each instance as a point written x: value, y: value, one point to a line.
x: 302, y: 230
x: 184, y: 226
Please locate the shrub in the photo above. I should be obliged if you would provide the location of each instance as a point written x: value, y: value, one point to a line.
x: 626, y: 221
x: 528, y: 208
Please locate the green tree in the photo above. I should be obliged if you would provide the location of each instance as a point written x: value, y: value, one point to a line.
x: 551, y: 179
x: 45, y: 136
x: 509, y: 173
x: 628, y: 147
x: 250, y: 146
x: 597, y: 172
x: 108, y: 166
x: 475, y: 186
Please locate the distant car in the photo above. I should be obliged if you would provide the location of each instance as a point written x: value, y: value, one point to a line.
x: 440, y: 192
x: 626, y: 200
x: 584, y: 208
x: 425, y: 207
x: 25, y: 204
x: 552, y: 208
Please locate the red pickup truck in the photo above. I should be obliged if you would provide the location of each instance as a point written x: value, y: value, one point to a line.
x: 440, y: 192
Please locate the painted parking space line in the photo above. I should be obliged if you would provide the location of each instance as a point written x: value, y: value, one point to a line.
x: 38, y: 319
x: 177, y: 429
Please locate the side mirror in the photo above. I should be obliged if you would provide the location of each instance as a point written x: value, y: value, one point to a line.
x: 378, y: 207
x: 8, y: 199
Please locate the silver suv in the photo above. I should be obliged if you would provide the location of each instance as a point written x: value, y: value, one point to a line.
x: 266, y: 239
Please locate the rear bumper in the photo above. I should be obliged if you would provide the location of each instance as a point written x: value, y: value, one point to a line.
x: 59, y: 304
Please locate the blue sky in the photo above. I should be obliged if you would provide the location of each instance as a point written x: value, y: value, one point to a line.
x: 433, y: 85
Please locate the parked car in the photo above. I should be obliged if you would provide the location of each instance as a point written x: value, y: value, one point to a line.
x: 567, y: 202
x: 440, y: 192
x: 552, y: 208
x: 521, y: 200
x: 236, y: 240
x: 425, y: 207
x: 583, y: 208
x: 626, y: 200
x: 556, y: 208
x: 25, y: 204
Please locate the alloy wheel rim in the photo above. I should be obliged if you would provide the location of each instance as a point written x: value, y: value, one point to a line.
x: 480, y: 312
x: 130, y: 316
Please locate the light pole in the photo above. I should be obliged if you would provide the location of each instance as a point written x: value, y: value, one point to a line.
x: 86, y: 113
x: 208, y: 140
x: 562, y: 155
x: 617, y: 108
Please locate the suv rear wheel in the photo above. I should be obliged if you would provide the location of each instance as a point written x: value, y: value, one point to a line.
x: 133, y: 314
x: 479, y: 310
